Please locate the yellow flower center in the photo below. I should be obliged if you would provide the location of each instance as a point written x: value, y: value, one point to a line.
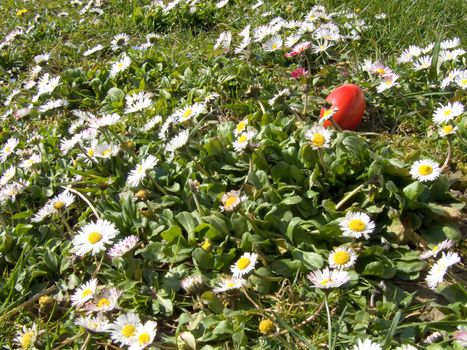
x: 94, y: 237
x: 230, y: 284
x: 242, y: 139
x: 128, y: 330
x: 425, y: 169
x: 356, y: 225
x: 380, y: 71
x: 447, y: 129
x: 120, y: 65
x: 322, y: 47
x: 103, y: 302
x: 140, y: 169
x: 106, y: 153
x: 388, y: 81
x: 7, y: 149
x: 21, y: 12
x: 241, y: 126
x: 274, y: 46
x: 27, y: 340
x: 265, y: 326
x: 59, y: 204
x: 230, y: 202
x: 243, y: 263
x: 143, y: 338
x: 207, y: 245
x: 326, y: 281
x: 318, y: 140
x: 187, y: 113
x: 447, y: 112
x: 91, y: 152
x: 435, y: 248
x: 327, y: 113
x: 341, y: 257
x: 463, y: 82
x: 87, y: 292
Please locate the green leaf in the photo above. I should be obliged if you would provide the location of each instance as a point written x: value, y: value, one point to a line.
x: 286, y: 267
x: 433, y: 72
x: 292, y: 200
x: 310, y: 260
x: 414, y: 190
x: 172, y: 233
x: 212, y: 301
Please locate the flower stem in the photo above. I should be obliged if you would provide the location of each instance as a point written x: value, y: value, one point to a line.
x: 351, y: 194
x: 448, y: 157
x: 329, y: 322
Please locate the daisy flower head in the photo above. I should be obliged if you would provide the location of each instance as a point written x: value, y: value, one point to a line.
x: 191, y: 284
x: 26, y: 337
x: 107, y: 300
x: 93, y: 50
x: 123, y: 246
x: 124, y: 328
x: 243, y: 140
x: 367, y: 344
x: 438, y: 270
x: 273, y: 44
x: 137, y: 102
x: 406, y: 347
x: 241, y: 127
x: 279, y: 97
x: 137, y: 175
x: 120, y: 66
x: 356, y: 225
x: 178, y: 141
x: 450, y: 44
x: 299, y: 73
x: 453, y: 55
x: 42, y: 59
x: 63, y: 200
x: 461, y: 335
x: 388, y: 82
x: 84, y: 293
x: 326, y: 278
x: 244, y: 265
x: 119, y: 41
x: 448, y: 112
x: 447, y: 129
x: 342, y: 258
x: 319, y: 137
x: 8, y: 148
x: 144, y: 336
x: 189, y: 112
x: 98, y: 323
x: 321, y: 46
x: 461, y: 79
x: 93, y: 237
x: 292, y: 39
x: 8, y: 175
x: 231, y: 200
x: 223, y: 41
x: 425, y: 170
x: 229, y: 283
x: 423, y: 62
x: 437, y: 248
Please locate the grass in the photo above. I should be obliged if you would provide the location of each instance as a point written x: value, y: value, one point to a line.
x: 290, y: 217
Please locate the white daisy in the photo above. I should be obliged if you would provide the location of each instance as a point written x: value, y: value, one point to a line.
x: 356, y: 224
x: 321, y: 46
x: 120, y: 66
x: 107, y: 300
x: 63, y: 200
x: 8, y: 148
x: 326, y: 278
x: 43, y: 213
x: 84, y: 293
x: 447, y: 129
x: 92, y: 50
x: 437, y: 248
x: 223, y: 41
x: 461, y: 79
x: 292, y: 39
x: 367, y: 344
x: 229, y: 283
x: 46, y: 85
x: 446, y: 55
x: 231, y: 200
x: 137, y: 175
x: 119, y: 41
x: 26, y: 337
x: 144, y: 336
x: 436, y: 274
x: 192, y: 283
x: 124, y: 328
x: 123, y: 246
x: 8, y: 175
x: 105, y: 120
x: 244, y: 265
x: 342, y: 258
x: 106, y: 150
x: 151, y: 123
x: 93, y: 237
x: 189, y: 112
x: 242, y: 141
x: 10, y: 191
x: 319, y: 137
x: 406, y: 347
x: 388, y: 82
x: 241, y: 127
x: 425, y: 170
x: 178, y: 141
x: 43, y: 58
x: 448, y: 112
x: 53, y: 104
x: 279, y: 97
x: 273, y: 44
x: 423, y: 62
x: 10, y: 97
x: 137, y: 102
x: 450, y: 44
x: 98, y: 323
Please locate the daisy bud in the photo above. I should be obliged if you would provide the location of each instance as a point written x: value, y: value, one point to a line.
x: 142, y: 195
x: 266, y: 326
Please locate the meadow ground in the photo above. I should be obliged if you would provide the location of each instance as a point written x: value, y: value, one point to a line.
x: 166, y: 180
